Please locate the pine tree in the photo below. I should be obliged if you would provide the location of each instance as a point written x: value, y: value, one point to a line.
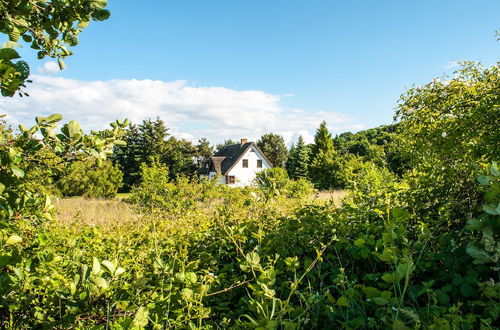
x: 323, y: 141
x: 298, y: 163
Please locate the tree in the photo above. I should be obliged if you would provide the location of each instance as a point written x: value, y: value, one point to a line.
x: 40, y: 148
x: 203, y: 151
x: 448, y: 131
x: 323, y: 141
x: 179, y: 155
x: 49, y: 26
x: 144, y: 142
x: 273, y: 146
x: 298, y: 162
x: 325, y: 166
x: 225, y: 143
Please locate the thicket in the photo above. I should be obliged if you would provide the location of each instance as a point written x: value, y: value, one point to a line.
x: 420, y: 251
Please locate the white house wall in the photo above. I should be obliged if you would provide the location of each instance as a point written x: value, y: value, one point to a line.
x: 246, y: 176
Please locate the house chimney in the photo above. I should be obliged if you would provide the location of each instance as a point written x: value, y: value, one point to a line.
x: 243, y: 141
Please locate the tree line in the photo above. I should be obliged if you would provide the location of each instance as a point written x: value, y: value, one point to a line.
x: 330, y: 162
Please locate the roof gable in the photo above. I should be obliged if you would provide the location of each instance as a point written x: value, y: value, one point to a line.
x: 225, y: 159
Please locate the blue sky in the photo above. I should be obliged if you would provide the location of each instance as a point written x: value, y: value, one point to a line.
x: 281, y: 65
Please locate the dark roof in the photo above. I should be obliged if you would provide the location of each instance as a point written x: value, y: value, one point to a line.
x: 224, y: 159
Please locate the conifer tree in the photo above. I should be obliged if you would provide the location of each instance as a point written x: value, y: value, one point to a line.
x: 298, y: 163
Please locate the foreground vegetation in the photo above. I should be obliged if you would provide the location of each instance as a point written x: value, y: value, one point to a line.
x: 414, y: 249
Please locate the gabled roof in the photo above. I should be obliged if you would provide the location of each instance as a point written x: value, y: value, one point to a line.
x: 224, y: 159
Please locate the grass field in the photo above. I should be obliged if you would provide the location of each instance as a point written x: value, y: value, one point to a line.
x: 95, y: 212
x: 109, y: 213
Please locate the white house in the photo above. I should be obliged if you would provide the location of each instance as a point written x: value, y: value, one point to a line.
x: 237, y: 164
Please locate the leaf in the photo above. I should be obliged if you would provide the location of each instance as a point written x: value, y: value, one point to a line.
x: 101, y: 14
x: 14, y: 34
x: 371, y: 292
x: 8, y: 54
x: 399, y: 325
x: 17, y: 171
x: 14, y: 239
x: 483, y: 179
x: 119, y: 271
x: 96, y: 266
x: 54, y: 118
x: 490, y: 209
x: 109, y: 266
x: 466, y: 290
x: 141, y: 319
x: 494, y: 169
x: 360, y: 242
x: 187, y: 294
x: 342, y: 301
x: 100, y: 282
x: 61, y: 64
x: 479, y: 256
x: 380, y: 301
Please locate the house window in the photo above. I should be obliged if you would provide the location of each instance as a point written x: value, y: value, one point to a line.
x: 245, y: 163
x: 230, y: 179
x: 259, y: 163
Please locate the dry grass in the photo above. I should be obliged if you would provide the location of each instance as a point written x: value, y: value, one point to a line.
x: 328, y: 196
x: 95, y: 212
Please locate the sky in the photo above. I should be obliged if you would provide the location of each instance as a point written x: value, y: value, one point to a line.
x: 239, y: 69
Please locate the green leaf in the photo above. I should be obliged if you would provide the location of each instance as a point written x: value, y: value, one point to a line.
x: 14, y: 239
x: 54, y: 118
x: 483, y: 179
x: 494, y: 169
x: 141, y: 319
x: 100, y: 282
x: 101, y: 14
x: 479, y: 256
x: 399, y: 325
x: 371, y: 292
x: 96, y: 266
x: 61, y: 64
x: 8, y: 54
x: 380, y: 301
x: 109, y: 266
x: 14, y: 34
x: 17, y: 171
x: 342, y: 301
x: 490, y: 209
x: 187, y: 294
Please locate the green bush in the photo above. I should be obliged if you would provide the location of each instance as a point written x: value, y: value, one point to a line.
x: 90, y: 179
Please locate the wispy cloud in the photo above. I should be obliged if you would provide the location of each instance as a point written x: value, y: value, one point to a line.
x: 452, y: 65
x: 49, y: 67
x: 217, y: 113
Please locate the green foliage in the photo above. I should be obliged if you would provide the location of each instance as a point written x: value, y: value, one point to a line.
x: 447, y: 128
x: 419, y: 253
x: 90, y: 179
x: 149, y: 142
x: 48, y: 26
x: 41, y: 151
x: 273, y: 146
x: 323, y: 142
x: 297, y: 164
x: 272, y: 180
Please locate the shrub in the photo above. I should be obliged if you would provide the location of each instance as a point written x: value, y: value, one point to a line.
x: 90, y: 179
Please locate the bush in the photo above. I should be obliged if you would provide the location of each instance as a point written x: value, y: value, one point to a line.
x: 91, y: 179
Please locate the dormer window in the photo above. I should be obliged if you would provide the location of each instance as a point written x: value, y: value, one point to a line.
x: 245, y: 163
x: 259, y: 163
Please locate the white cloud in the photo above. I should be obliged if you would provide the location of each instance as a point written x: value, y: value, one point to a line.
x: 49, y: 68
x: 452, y: 65
x: 216, y: 113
